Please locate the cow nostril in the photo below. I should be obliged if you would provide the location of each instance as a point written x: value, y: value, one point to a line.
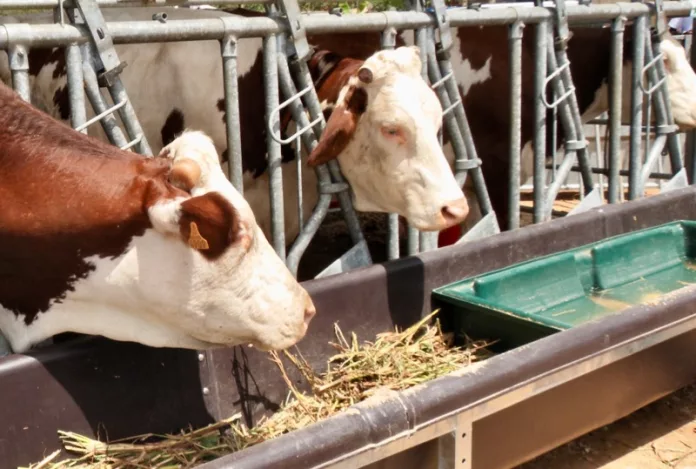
x: 455, y: 211
x: 310, y: 310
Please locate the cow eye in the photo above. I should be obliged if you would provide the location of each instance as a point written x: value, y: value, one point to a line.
x: 391, y: 131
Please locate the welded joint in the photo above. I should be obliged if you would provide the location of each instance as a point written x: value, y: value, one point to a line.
x: 619, y: 23
x: 389, y: 38
x: 228, y: 46
x: 573, y: 145
x: 331, y: 188
x: 19, y: 58
x: 666, y: 129
x: 466, y: 164
x: 516, y: 30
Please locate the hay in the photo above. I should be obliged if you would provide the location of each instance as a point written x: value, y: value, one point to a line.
x: 394, y: 361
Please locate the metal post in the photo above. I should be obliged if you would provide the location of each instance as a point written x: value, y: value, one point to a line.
x: 634, y: 164
x: 76, y: 93
x: 389, y: 42
x: 615, y: 78
x: 690, y: 156
x: 228, y: 47
x: 515, y: 39
x: 275, y: 171
x: 539, y: 119
x: 19, y: 64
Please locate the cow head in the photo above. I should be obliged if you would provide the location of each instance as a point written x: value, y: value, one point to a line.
x: 225, y: 284
x: 681, y: 83
x: 384, y: 133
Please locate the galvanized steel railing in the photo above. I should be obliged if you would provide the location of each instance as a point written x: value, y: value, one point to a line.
x: 285, y: 71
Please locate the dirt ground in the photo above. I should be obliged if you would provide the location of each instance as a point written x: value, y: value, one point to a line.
x: 660, y: 435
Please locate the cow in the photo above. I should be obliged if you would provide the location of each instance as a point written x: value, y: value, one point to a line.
x: 186, y: 73
x: 384, y: 138
x: 162, y: 251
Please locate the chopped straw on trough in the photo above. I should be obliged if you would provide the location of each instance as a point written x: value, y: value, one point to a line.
x: 395, y: 361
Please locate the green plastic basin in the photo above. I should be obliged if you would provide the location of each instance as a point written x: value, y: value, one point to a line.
x: 563, y: 290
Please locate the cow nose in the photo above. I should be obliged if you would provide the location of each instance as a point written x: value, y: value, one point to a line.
x: 455, y: 211
x: 309, y: 311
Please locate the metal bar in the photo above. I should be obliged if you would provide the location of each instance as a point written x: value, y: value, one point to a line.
x: 19, y: 64
x: 515, y: 72
x: 690, y: 156
x: 228, y: 48
x: 654, y: 154
x: 76, y: 93
x: 540, y: 48
x: 123, y: 32
x: 615, y: 78
x: 100, y: 116
x: 663, y: 115
x: 623, y: 172
x: 427, y: 241
x: 109, y: 123
x: 634, y: 164
x: 392, y: 236
x: 388, y: 42
x: 275, y: 171
x: 128, y: 117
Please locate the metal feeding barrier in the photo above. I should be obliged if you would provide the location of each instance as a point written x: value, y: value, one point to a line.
x: 92, y: 63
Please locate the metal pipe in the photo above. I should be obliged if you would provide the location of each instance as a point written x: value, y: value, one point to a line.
x: 128, y: 117
x: 623, y: 172
x: 690, y: 156
x: 228, y: 49
x: 122, y: 32
x: 275, y: 171
x: 539, y: 119
x: 615, y: 78
x: 388, y: 42
x: 76, y: 93
x: 660, y: 100
x: 655, y: 152
x: 427, y: 240
x: 19, y: 64
x: 392, y: 236
x: 515, y: 72
x: 634, y: 164
x: 109, y: 123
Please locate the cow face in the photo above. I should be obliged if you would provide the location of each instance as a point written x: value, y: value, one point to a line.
x: 384, y: 132
x: 681, y: 83
x: 224, y: 285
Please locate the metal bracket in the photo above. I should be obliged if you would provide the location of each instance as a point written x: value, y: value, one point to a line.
x: 110, y: 66
x: 439, y: 10
x: 291, y: 10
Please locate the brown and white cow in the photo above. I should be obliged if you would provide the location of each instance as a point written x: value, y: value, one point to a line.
x: 385, y: 137
x: 162, y: 251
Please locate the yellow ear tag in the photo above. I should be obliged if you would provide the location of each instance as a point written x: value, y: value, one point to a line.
x: 196, y: 241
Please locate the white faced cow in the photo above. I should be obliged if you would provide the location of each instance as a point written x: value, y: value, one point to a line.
x: 162, y: 251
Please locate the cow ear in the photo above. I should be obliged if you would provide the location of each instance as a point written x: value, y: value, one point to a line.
x: 207, y: 223
x: 340, y: 127
x: 210, y: 224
